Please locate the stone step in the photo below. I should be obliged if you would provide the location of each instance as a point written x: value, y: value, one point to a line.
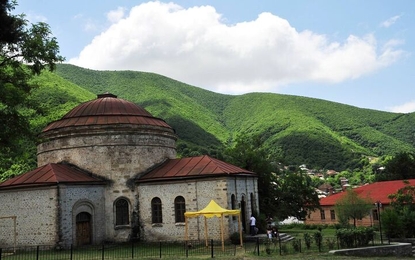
x: 285, y: 237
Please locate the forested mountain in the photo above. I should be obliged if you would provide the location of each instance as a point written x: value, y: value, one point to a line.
x: 295, y: 130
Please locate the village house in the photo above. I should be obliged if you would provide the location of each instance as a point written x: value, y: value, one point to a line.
x: 377, y: 192
x: 108, y: 171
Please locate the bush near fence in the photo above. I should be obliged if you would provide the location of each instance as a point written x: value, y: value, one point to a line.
x: 316, y: 243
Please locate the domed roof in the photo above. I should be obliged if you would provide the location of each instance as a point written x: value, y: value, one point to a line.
x: 107, y: 109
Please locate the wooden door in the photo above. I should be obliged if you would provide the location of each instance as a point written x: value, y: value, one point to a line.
x: 83, y: 229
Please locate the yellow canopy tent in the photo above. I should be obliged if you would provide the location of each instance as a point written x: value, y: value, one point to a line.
x: 214, y: 210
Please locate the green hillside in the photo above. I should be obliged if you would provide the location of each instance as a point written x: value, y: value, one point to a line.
x: 294, y: 129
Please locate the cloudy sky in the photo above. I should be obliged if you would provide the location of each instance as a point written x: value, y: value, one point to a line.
x: 353, y: 52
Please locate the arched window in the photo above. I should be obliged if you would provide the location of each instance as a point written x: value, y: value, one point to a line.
x: 233, y: 204
x: 179, y: 208
x: 122, y: 215
x: 252, y: 203
x: 156, y: 212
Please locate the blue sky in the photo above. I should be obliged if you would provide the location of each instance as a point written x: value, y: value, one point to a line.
x: 353, y: 52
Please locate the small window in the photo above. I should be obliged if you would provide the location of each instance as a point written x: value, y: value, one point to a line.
x: 121, y: 212
x: 323, y: 215
x: 332, y: 215
x: 179, y: 209
x: 156, y: 213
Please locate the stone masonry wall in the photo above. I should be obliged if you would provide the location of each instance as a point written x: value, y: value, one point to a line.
x: 115, y: 153
x: 242, y: 187
x: 109, y: 153
x: 197, y: 194
x: 77, y: 199
x: 36, y: 212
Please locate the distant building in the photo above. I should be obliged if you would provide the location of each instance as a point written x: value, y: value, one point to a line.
x: 376, y: 192
x: 107, y: 171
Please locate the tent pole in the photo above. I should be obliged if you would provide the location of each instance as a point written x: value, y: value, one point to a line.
x: 185, y: 229
x: 206, y: 236
x: 240, y: 229
x: 222, y: 231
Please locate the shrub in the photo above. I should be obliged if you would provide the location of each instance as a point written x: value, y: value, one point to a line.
x: 330, y: 243
x: 359, y: 236
x: 346, y: 237
x: 318, y: 237
x: 284, y: 248
x: 307, y: 240
x: 297, y: 245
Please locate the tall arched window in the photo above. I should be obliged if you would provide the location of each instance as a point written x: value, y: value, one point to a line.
x: 233, y: 204
x: 122, y: 215
x: 156, y: 212
x: 252, y: 203
x: 179, y: 208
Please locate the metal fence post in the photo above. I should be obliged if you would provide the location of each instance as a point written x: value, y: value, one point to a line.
x: 103, y: 247
x: 160, y: 248
x: 132, y: 249
x: 0, y: 253
x: 211, y: 248
x: 37, y: 252
x: 257, y: 244
x: 71, y: 251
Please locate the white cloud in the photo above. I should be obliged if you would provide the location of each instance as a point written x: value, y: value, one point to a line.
x: 115, y: 16
x: 389, y: 22
x: 408, y: 107
x: 194, y: 46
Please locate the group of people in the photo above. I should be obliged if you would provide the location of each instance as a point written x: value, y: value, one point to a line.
x: 272, y: 230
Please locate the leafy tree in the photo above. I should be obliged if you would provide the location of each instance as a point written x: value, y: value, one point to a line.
x: 25, y: 50
x: 296, y: 196
x: 399, y: 167
x: 391, y: 223
x: 248, y: 154
x: 351, y: 206
x: 280, y: 195
x: 403, y: 198
x: 403, y: 203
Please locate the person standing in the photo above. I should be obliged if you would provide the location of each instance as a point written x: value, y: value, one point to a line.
x: 252, y: 222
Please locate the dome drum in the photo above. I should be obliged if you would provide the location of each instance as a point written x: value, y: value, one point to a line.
x: 109, y: 134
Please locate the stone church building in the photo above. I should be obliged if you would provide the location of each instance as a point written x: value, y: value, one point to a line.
x: 107, y: 171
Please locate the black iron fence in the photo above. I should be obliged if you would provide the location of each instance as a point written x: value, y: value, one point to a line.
x: 133, y: 250
x: 265, y: 246
x: 176, y: 249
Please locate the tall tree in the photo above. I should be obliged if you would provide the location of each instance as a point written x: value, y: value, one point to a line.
x: 351, y: 206
x: 399, y: 167
x: 280, y: 195
x: 296, y: 196
x: 25, y: 50
x: 248, y: 154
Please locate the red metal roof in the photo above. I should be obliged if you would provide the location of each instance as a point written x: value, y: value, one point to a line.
x: 48, y: 174
x: 192, y: 167
x: 107, y: 109
x: 377, y: 191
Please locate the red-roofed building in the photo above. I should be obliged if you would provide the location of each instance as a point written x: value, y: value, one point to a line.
x: 376, y: 192
x: 107, y: 171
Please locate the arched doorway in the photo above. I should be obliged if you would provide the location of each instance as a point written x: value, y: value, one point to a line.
x: 243, y: 213
x: 83, y: 229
